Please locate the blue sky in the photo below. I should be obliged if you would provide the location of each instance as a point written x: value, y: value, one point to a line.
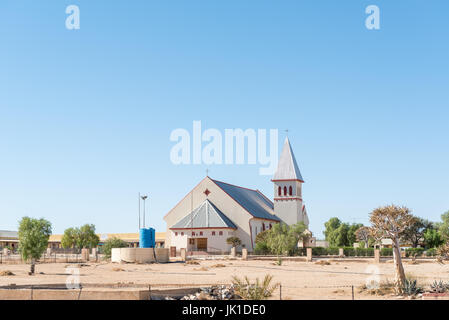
x: 86, y: 115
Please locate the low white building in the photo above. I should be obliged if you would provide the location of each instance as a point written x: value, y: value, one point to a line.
x: 214, y: 210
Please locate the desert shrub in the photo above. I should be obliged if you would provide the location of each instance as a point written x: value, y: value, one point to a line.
x: 261, y: 248
x: 411, y: 287
x: 431, y: 252
x: 439, y: 287
x: 256, y: 290
x: 386, y: 252
x: 412, y: 252
x: 113, y: 243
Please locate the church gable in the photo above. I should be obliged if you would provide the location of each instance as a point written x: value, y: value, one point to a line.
x: 207, y: 215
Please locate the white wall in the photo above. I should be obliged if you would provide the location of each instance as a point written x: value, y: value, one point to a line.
x: 214, y: 242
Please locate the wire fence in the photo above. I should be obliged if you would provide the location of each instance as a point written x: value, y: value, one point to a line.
x: 54, y: 257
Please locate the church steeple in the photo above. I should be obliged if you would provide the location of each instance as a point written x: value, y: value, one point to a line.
x: 287, y: 166
x: 287, y: 180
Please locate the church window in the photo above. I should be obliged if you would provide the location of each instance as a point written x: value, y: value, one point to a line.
x: 263, y: 226
x: 290, y: 190
x: 201, y: 233
x: 279, y: 191
x: 213, y: 233
x: 285, y: 191
x: 220, y: 233
x: 182, y: 233
x: 176, y: 233
x: 270, y: 225
x: 193, y: 234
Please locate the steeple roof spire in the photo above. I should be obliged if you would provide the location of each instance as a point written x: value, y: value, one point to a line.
x: 287, y: 166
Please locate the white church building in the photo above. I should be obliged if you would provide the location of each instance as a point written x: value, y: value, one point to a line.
x: 214, y: 210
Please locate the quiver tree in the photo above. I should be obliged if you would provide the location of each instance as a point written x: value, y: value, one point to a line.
x: 390, y: 222
x: 364, y: 234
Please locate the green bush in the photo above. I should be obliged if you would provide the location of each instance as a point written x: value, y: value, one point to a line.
x: 349, y: 251
x: 261, y: 248
x: 113, y: 242
x: 386, y: 252
x: 319, y: 251
x: 432, y: 252
x: 410, y: 252
x: 332, y: 251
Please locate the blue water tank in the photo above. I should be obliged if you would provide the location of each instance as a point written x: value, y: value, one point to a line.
x: 147, y: 238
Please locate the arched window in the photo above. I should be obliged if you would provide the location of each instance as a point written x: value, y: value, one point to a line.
x: 285, y: 191
x: 290, y: 190
x: 279, y: 191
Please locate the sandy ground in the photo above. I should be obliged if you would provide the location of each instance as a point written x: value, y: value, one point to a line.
x: 300, y: 280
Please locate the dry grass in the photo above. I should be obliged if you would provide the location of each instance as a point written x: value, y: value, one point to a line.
x: 192, y: 262
x: 118, y: 269
x: 6, y: 273
x: 201, y: 269
x: 218, y: 265
x: 338, y: 291
x: 384, y: 288
x: 323, y: 263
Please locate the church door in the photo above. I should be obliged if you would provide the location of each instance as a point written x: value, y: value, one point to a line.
x: 201, y: 243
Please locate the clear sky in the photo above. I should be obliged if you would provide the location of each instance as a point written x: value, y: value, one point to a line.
x: 86, y: 115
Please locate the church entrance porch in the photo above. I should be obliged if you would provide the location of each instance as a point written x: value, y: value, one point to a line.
x: 197, y: 244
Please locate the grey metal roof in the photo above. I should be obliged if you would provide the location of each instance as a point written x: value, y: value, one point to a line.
x: 287, y: 166
x: 252, y: 201
x: 207, y: 215
x: 8, y: 234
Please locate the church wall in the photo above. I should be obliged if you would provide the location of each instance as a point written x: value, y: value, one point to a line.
x: 257, y: 227
x: 290, y: 211
x: 239, y: 216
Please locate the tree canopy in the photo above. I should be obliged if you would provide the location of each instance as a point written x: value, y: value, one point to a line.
x: 340, y: 234
x: 280, y: 239
x: 414, y: 234
x: 83, y: 237
x: 113, y: 242
x: 33, y: 238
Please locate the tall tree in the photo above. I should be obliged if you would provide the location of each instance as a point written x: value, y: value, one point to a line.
x: 432, y: 238
x: 86, y: 237
x: 83, y: 237
x: 415, y: 232
x: 352, y: 236
x: 33, y: 239
x: 444, y: 226
x: 330, y: 227
x: 390, y: 222
x: 283, y: 239
x: 364, y: 234
x: 69, y: 238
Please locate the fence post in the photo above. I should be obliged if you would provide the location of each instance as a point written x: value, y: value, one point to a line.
x: 149, y: 292
x: 31, y: 298
x: 79, y: 294
x: 280, y: 291
x: 352, y: 292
